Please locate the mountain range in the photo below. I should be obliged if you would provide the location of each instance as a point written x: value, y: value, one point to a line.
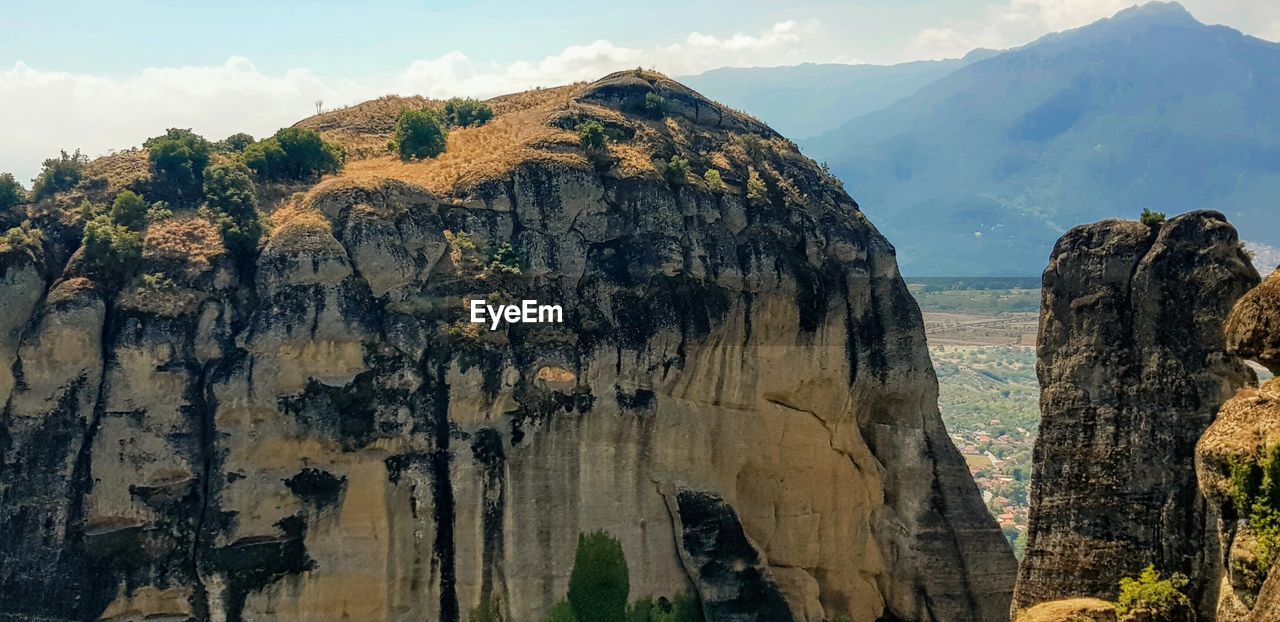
x: 978, y: 171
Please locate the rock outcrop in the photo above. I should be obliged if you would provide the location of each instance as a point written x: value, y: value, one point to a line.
x: 740, y: 393
x: 1133, y: 367
x: 1236, y: 462
x: 1071, y: 610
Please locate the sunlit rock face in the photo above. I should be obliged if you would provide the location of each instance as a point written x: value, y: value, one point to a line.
x: 1231, y: 459
x: 739, y: 393
x: 1133, y: 366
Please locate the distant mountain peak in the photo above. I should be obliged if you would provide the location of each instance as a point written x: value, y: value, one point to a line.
x: 1162, y: 11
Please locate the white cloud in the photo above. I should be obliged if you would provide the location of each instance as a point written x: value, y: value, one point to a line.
x: 455, y: 74
x: 1265, y: 258
x: 1013, y: 23
x: 57, y: 110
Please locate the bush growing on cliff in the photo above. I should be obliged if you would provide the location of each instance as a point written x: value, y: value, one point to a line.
x: 757, y: 191
x: 1152, y: 219
x: 504, y: 259
x: 676, y: 169
x: 599, y: 584
x: 12, y: 194
x: 466, y: 112
x: 1162, y: 598
x: 233, y: 201
x: 110, y: 249
x: 654, y: 106
x: 591, y: 135
x: 177, y: 162
x: 23, y: 238
x: 713, y: 180
x: 1255, y: 492
x: 129, y: 211
x: 59, y: 174
x: 489, y: 610
x: 680, y: 608
x: 420, y: 134
x: 293, y: 154
x: 235, y: 143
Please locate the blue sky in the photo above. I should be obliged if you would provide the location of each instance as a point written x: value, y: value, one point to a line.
x: 103, y: 76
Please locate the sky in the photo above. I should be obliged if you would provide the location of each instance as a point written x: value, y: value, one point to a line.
x: 105, y: 76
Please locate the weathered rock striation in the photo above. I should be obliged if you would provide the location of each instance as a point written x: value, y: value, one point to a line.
x: 1231, y: 460
x: 740, y: 393
x: 1132, y: 367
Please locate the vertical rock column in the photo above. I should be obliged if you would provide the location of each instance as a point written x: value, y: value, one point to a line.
x: 1133, y: 367
x: 1231, y: 459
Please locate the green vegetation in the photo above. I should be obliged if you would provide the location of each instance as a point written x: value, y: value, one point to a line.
x: 989, y: 398
x: 110, y: 249
x: 562, y: 612
x: 235, y: 143
x: 112, y: 242
x: 599, y: 584
x: 755, y: 147
x: 979, y: 302
x: 59, y: 175
x: 467, y: 112
x: 677, y: 169
x: 980, y: 384
x: 420, y: 134
x: 757, y: 192
x: 293, y: 154
x: 504, y: 259
x: 681, y: 608
x: 591, y: 135
x: 713, y: 180
x: 489, y: 610
x: 159, y: 211
x: 12, y: 193
x: 22, y: 239
x: 177, y: 162
x: 1255, y: 491
x: 129, y: 211
x: 1152, y: 219
x: 1162, y: 598
x: 654, y: 106
x: 233, y: 206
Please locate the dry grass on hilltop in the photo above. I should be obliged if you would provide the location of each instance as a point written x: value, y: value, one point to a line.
x: 533, y: 126
x: 120, y: 169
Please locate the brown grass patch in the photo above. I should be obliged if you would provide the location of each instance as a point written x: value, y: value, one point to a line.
x: 190, y: 242
x: 476, y: 154
x: 69, y: 290
x: 120, y: 169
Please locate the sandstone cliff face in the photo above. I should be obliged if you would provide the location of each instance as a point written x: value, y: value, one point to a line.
x: 1236, y: 449
x: 1132, y: 367
x: 740, y: 394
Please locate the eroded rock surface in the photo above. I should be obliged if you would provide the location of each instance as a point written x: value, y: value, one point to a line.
x: 1231, y: 459
x: 740, y: 394
x: 1133, y: 367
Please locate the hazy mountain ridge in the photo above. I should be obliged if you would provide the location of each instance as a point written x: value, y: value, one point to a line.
x: 980, y: 171
x: 810, y: 99
x: 977, y: 171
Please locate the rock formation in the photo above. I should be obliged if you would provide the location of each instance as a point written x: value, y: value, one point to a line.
x: 740, y: 392
x: 1070, y: 610
x: 1133, y: 367
x: 1235, y: 460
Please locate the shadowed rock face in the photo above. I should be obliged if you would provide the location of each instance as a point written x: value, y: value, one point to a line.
x: 1133, y: 367
x: 740, y: 394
